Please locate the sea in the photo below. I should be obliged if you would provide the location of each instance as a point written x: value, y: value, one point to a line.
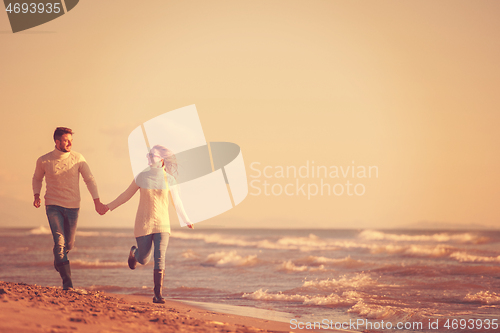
x: 355, y: 280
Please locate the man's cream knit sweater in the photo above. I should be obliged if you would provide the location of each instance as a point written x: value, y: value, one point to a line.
x: 62, y: 176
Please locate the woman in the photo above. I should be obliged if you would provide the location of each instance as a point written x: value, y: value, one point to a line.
x: 152, y: 225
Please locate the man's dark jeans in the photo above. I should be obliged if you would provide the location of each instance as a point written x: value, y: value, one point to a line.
x: 62, y: 223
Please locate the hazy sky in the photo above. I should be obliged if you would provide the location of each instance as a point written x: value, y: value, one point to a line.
x: 410, y: 87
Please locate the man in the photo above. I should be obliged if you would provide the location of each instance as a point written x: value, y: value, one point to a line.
x: 61, y: 169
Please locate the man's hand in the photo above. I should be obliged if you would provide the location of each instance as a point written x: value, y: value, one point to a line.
x: 100, y: 207
x: 37, y: 201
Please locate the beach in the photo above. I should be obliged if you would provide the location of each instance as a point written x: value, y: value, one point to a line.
x: 406, y: 278
x: 32, y: 308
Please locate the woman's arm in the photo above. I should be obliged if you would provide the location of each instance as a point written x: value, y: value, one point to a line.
x: 124, y: 197
x: 174, y: 193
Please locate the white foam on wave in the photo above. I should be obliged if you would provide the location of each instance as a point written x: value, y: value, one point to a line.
x: 88, y: 234
x: 314, y: 263
x: 263, y: 295
x: 305, y: 244
x: 483, y: 297
x: 107, y: 234
x: 189, y: 254
x: 357, y: 281
x: 41, y: 230
x: 97, y: 264
x: 289, y: 266
x: 428, y: 251
x: 397, y: 311
x: 466, y: 237
x: 215, y: 239
x: 374, y: 311
x: 315, y: 243
x: 346, y: 299
x: 230, y: 259
x: 465, y: 257
x: 351, y: 245
x: 346, y: 262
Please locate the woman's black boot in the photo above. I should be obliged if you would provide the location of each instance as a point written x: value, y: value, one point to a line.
x: 158, y: 279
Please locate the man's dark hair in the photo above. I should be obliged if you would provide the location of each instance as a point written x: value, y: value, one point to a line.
x: 60, y: 131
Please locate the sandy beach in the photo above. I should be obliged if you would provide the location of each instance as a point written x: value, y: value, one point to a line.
x: 32, y: 308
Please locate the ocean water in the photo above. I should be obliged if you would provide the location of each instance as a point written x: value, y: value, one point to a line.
x: 339, y: 276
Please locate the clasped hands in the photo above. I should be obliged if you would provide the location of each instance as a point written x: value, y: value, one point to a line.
x: 100, y: 207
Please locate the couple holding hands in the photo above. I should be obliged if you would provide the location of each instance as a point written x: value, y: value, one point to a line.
x: 62, y: 168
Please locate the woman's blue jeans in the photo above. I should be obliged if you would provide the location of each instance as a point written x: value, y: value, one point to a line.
x: 62, y: 223
x: 143, y: 252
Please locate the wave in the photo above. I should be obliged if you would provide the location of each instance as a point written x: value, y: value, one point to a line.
x: 41, y: 230
x: 305, y: 244
x: 106, y: 234
x: 464, y: 257
x: 184, y: 289
x: 118, y: 289
x: 14, y: 250
x: 263, y: 295
x: 474, y: 270
x: 289, y: 266
x: 359, y: 280
x: 310, y: 243
x: 314, y: 263
x: 390, y: 312
x: 346, y: 262
x: 441, y: 270
x: 189, y: 254
x: 373, y: 311
x: 346, y: 299
x: 97, y: 264
x: 230, y: 259
x: 466, y: 237
x: 214, y: 239
x: 427, y: 251
x: 483, y: 297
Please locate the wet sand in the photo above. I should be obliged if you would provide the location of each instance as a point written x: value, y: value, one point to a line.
x: 30, y: 308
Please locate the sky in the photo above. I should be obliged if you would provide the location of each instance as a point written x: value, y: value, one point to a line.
x: 405, y: 87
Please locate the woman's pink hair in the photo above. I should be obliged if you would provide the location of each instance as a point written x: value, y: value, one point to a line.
x: 169, y: 160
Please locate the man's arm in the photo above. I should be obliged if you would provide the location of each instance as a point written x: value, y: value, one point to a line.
x: 89, y: 180
x: 37, y: 182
